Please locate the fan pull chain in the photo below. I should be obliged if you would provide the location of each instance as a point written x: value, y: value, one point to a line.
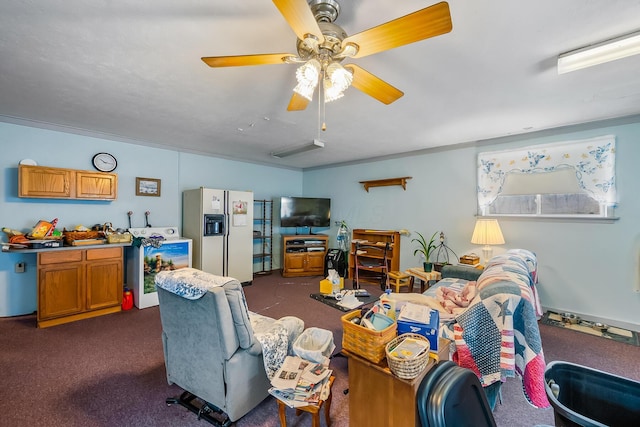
x: 321, y: 105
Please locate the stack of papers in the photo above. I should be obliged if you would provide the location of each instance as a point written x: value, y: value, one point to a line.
x: 415, y: 313
x: 300, y: 382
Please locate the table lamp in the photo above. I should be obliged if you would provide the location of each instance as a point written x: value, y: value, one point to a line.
x: 487, y: 232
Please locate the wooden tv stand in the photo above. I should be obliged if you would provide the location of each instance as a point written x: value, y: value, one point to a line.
x: 303, y: 254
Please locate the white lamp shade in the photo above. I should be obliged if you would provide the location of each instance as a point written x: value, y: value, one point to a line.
x: 487, y: 232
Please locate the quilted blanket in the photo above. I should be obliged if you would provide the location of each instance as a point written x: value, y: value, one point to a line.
x: 497, y: 336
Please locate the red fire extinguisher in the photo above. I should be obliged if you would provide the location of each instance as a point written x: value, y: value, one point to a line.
x: 127, y: 299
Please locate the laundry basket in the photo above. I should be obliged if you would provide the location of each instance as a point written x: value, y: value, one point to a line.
x: 582, y: 396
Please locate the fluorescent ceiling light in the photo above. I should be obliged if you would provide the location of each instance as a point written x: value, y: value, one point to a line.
x: 297, y: 150
x: 599, y: 53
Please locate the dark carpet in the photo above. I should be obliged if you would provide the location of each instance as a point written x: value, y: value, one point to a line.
x: 109, y: 371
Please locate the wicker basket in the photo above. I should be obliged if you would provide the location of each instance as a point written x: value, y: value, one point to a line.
x: 71, y: 236
x: 365, y: 342
x: 407, y: 369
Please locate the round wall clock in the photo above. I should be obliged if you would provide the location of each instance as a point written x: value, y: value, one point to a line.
x: 104, y: 162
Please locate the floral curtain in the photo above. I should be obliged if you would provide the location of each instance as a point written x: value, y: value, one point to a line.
x: 592, y: 159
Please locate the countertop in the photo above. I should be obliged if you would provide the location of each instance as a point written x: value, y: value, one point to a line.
x: 61, y: 248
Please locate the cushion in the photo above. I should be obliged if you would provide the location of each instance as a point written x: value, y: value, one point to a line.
x: 239, y: 313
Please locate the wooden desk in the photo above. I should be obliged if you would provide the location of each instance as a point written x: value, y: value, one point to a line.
x: 379, y: 398
x: 424, y: 277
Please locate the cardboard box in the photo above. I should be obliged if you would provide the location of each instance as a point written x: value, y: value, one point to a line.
x: 428, y: 330
x: 444, y: 350
x: 326, y: 287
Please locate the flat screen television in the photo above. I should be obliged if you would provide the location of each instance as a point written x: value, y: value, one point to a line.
x: 305, y: 212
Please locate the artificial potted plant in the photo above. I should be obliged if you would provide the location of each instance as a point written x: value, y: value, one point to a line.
x: 425, y: 249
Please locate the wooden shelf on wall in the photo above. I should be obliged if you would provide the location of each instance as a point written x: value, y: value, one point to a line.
x: 386, y: 182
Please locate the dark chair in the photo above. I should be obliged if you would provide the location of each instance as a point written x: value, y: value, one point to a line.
x: 453, y: 396
x: 373, y: 261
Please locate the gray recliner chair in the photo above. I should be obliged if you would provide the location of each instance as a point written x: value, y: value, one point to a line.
x: 210, y: 348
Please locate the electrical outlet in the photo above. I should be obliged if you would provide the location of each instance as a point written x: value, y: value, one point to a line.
x: 20, y: 266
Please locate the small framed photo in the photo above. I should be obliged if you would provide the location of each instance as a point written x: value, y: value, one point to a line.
x: 147, y: 187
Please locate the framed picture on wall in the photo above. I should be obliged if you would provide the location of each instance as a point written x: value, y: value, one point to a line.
x: 147, y: 187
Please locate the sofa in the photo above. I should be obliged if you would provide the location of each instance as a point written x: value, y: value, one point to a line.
x: 496, y: 332
x: 214, y: 347
x: 492, y: 315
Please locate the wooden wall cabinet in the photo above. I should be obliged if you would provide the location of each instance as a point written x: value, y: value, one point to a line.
x: 96, y: 185
x: 78, y: 284
x: 60, y: 183
x: 379, y: 238
x: 303, y: 255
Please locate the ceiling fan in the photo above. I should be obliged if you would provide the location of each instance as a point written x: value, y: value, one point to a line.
x: 323, y: 45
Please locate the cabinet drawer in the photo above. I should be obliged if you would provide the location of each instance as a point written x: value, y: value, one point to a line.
x: 46, y: 258
x: 106, y: 253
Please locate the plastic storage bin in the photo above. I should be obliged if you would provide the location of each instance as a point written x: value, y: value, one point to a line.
x: 582, y: 396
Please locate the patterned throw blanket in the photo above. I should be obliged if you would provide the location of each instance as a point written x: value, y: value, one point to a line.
x: 190, y: 283
x: 276, y: 338
x: 497, y: 336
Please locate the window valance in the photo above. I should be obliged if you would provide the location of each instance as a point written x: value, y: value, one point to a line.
x: 591, y: 160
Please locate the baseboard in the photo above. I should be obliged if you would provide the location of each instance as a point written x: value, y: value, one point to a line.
x: 591, y: 318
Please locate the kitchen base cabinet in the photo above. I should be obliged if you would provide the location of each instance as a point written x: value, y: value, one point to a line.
x: 78, y: 284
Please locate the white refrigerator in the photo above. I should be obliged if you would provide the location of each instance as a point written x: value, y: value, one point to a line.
x: 220, y: 223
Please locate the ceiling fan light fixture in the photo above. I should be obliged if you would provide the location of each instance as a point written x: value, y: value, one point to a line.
x: 337, y: 80
x: 331, y: 92
x: 339, y: 76
x: 599, y: 53
x: 307, y: 75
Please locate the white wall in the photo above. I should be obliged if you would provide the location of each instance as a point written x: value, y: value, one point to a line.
x: 589, y: 268
x: 177, y: 171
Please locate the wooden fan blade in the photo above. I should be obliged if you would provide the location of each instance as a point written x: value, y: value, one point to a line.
x: 241, y: 60
x: 429, y: 22
x: 372, y: 85
x: 297, y: 102
x: 300, y: 18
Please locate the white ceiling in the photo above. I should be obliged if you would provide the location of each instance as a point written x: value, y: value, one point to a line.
x: 131, y: 70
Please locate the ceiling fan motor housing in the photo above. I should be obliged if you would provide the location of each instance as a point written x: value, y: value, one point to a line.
x: 324, y: 10
x: 330, y: 46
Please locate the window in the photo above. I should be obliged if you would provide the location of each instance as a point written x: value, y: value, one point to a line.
x: 574, y: 179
